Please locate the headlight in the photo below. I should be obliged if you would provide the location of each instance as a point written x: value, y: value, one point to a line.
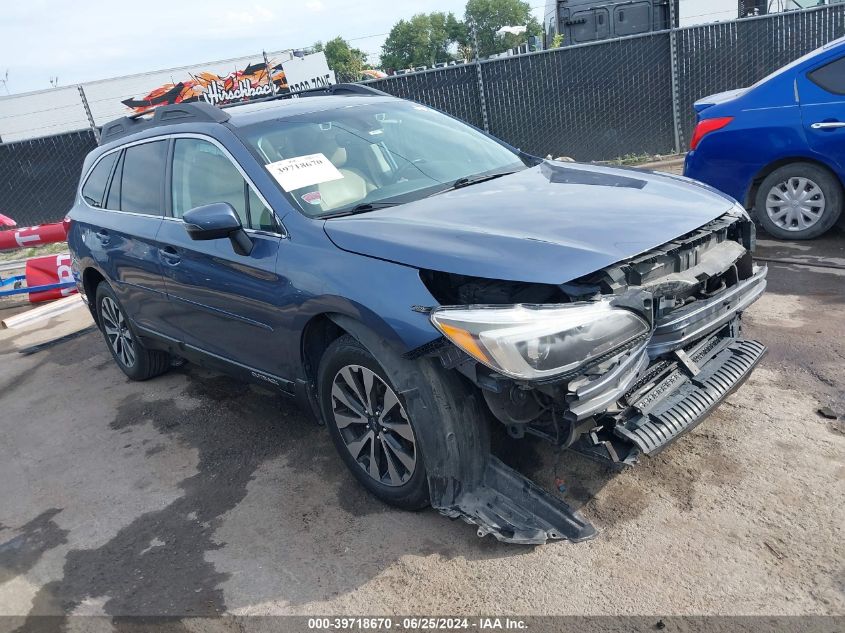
x: 538, y: 341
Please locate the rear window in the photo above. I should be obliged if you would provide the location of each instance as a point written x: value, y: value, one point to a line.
x: 830, y: 77
x: 142, y: 178
x: 95, y: 187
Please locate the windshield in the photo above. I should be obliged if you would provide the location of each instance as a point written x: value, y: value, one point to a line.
x: 337, y: 160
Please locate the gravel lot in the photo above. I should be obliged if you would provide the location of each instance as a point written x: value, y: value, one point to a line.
x: 193, y: 495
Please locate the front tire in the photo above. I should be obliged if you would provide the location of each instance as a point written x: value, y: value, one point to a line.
x: 135, y: 360
x: 370, y: 426
x: 799, y: 201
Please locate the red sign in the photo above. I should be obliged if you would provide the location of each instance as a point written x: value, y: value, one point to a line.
x: 30, y: 236
x: 48, y: 270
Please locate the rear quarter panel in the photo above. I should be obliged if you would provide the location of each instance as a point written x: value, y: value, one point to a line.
x: 767, y: 129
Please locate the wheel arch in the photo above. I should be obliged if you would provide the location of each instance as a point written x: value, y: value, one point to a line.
x: 762, y: 174
x: 322, y: 329
x: 91, y: 279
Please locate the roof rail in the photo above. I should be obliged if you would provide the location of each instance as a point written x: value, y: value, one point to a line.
x: 198, y: 111
x: 201, y: 111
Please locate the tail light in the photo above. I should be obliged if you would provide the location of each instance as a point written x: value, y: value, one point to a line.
x: 66, y: 224
x: 705, y: 126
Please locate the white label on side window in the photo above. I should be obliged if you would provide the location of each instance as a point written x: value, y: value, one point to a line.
x: 303, y: 171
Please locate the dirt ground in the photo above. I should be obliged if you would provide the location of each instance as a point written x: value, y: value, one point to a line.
x: 193, y: 494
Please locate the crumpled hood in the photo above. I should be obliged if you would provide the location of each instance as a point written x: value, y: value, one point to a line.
x: 549, y: 224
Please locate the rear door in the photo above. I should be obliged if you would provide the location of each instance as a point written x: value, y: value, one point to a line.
x: 223, y: 303
x: 821, y: 93
x: 123, y: 242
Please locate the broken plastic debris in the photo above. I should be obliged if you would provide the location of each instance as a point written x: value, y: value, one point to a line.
x: 827, y: 412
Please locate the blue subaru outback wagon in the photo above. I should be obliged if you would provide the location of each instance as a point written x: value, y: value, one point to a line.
x: 413, y: 281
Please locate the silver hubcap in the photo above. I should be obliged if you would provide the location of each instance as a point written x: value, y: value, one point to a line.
x: 374, y: 425
x: 795, y: 204
x: 117, y: 332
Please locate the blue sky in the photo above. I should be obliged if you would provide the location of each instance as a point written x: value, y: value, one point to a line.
x: 94, y: 39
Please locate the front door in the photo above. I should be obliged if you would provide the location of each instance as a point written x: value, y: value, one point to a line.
x: 222, y: 303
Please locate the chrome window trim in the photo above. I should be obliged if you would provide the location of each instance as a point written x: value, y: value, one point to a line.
x: 195, y: 135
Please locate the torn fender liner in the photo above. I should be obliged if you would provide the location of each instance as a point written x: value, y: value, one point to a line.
x: 465, y: 479
x: 514, y: 509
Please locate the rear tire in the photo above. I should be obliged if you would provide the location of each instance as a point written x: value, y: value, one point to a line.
x: 135, y: 360
x: 799, y: 201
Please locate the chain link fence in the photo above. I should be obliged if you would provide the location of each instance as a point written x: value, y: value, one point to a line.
x: 597, y: 101
x: 589, y: 102
x: 38, y: 178
x: 612, y: 98
x: 454, y: 90
x: 717, y: 57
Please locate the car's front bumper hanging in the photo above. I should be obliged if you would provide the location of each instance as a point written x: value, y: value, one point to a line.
x: 684, y: 398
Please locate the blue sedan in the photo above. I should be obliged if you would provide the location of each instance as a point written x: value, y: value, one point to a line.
x: 779, y: 146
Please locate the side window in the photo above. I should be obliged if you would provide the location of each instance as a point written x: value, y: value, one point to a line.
x: 113, y: 199
x: 203, y: 174
x: 830, y: 77
x: 94, y: 189
x: 142, y: 177
x: 261, y: 217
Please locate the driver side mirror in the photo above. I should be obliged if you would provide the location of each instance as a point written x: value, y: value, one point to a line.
x: 217, y: 221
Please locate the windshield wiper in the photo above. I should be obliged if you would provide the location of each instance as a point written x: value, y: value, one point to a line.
x: 466, y: 181
x: 364, y: 207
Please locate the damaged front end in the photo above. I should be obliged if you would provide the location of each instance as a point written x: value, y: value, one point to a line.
x: 614, y: 365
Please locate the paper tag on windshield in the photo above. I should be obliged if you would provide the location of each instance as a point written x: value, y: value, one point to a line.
x: 303, y: 171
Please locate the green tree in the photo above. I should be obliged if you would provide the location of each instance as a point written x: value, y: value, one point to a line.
x: 488, y: 16
x: 345, y: 61
x: 424, y: 40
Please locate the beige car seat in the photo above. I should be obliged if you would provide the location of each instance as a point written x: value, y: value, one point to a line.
x: 352, y: 188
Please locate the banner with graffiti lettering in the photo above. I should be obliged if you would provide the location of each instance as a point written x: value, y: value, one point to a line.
x: 258, y: 79
x: 255, y: 80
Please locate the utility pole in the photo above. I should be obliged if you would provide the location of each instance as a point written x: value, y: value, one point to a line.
x: 5, y: 82
x: 673, y: 57
x: 480, y: 80
x: 269, y: 72
x: 90, y: 116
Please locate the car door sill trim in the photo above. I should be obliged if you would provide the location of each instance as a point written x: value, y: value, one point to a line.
x: 262, y: 376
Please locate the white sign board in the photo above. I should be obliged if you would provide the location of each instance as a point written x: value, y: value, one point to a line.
x: 311, y: 71
x: 303, y: 171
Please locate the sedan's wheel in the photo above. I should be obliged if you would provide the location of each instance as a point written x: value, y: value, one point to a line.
x: 135, y: 360
x: 795, y: 204
x: 370, y: 425
x: 374, y: 425
x: 798, y: 201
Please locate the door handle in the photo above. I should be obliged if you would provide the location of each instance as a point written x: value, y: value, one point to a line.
x: 828, y: 125
x: 102, y: 236
x: 170, y: 256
